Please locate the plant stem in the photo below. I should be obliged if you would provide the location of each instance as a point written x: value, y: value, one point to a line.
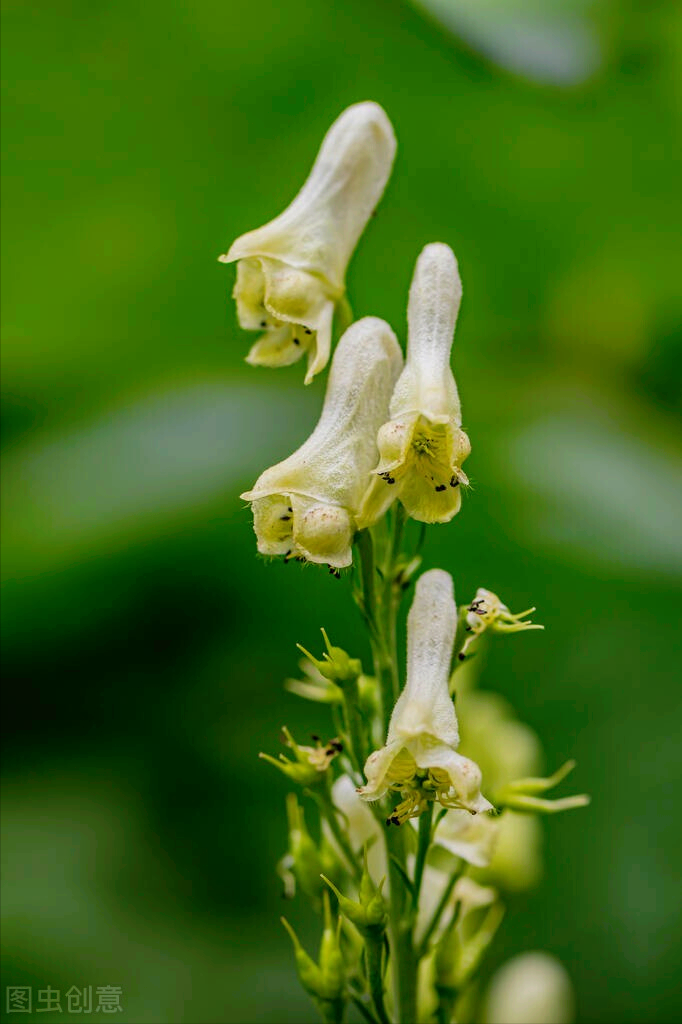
x: 383, y: 663
x: 354, y: 725
x: 374, y: 957
x: 403, y: 960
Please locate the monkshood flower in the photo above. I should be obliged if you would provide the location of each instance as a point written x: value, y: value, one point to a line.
x: 420, y: 759
x: 306, y: 507
x: 423, y: 446
x: 291, y: 272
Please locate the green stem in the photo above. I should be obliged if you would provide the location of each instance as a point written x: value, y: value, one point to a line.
x: 354, y: 725
x: 383, y: 667
x: 403, y: 961
x: 374, y: 948
x: 392, y: 594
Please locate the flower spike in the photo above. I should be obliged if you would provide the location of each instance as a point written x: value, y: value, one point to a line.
x: 291, y: 272
x: 306, y: 507
x: 420, y: 759
x: 422, y: 446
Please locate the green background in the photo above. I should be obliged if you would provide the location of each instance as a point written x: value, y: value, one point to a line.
x: 145, y: 643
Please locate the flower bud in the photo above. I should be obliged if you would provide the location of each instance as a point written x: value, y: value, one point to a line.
x: 324, y: 981
x: 368, y: 912
x: 305, y: 859
x: 335, y: 664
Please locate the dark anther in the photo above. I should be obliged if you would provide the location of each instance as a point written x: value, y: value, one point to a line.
x: 307, y: 330
x: 285, y: 519
x: 441, y: 487
x: 264, y: 323
x: 336, y: 745
x: 314, y: 737
x: 296, y: 341
x: 454, y: 482
x: 290, y: 509
x: 461, y: 656
x: 468, y: 629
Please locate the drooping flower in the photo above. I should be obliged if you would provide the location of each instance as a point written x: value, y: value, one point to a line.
x: 423, y: 446
x: 420, y: 759
x: 291, y: 272
x: 306, y: 506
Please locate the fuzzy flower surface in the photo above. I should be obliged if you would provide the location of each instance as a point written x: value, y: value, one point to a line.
x: 291, y: 272
x: 306, y: 506
x: 422, y: 446
x: 420, y: 759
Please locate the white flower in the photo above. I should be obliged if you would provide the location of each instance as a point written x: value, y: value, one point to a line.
x: 420, y: 759
x: 291, y: 272
x: 422, y: 446
x: 306, y: 506
x: 532, y: 988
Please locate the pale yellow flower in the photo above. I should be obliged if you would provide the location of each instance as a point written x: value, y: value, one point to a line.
x: 291, y: 272
x: 420, y: 759
x: 306, y: 507
x: 423, y: 446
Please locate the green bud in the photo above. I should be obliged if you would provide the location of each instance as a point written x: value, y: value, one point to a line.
x: 335, y: 664
x: 331, y: 957
x: 310, y: 767
x: 325, y: 981
x: 305, y: 861
x: 522, y: 795
x: 368, y: 912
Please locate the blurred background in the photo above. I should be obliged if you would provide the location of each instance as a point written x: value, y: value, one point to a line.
x: 145, y: 644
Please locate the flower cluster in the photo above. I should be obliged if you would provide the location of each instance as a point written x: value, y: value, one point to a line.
x: 422, y: 829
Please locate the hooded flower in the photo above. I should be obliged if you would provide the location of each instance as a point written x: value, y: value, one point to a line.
x: 291, y: 272
x: 420, y: 759
x: 306, y: 506
x: 422, y: 447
